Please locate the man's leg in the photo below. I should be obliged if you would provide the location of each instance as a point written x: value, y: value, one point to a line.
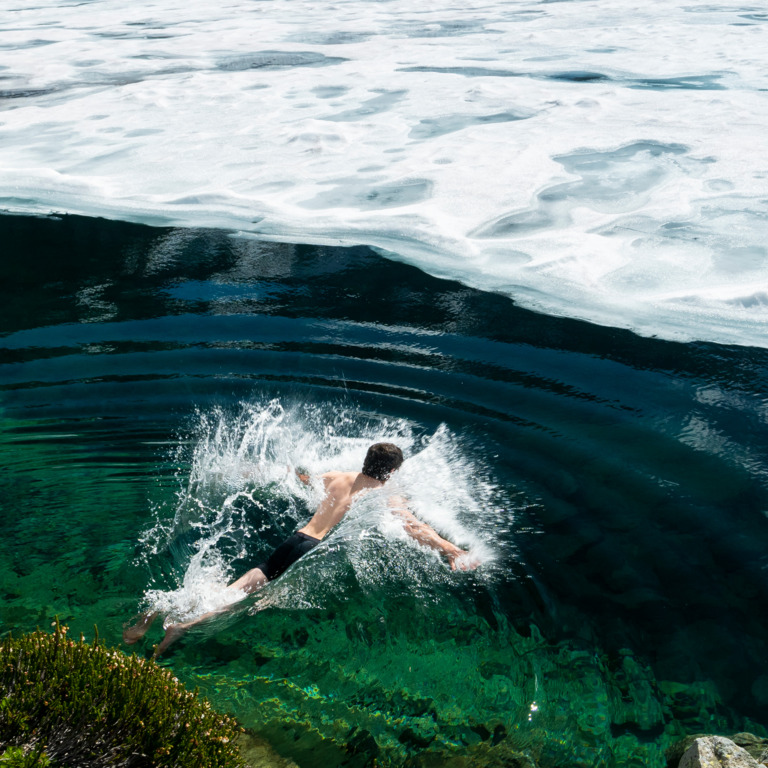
x: 248, y: 582
x: 251, y: 581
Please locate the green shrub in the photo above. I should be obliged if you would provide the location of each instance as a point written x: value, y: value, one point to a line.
x: 79, y: 705
x: 16, y: 757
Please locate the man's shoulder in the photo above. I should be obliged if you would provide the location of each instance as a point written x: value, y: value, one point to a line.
x: 339, y: 477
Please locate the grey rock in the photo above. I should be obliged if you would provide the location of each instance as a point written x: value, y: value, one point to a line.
x: 674, y: 753
x: 717, y: 752
x: 756, y: 746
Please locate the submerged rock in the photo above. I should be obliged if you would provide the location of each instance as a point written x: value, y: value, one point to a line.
x: 756, y: 746
x: 258, y: 753
x: 481, y: 756
x: 717, y: 752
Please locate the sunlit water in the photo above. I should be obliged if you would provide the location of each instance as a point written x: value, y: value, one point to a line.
x: 598, y: 160
x: 157, y: 385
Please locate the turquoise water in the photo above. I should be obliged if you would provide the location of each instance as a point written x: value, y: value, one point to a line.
x: 155, y: 384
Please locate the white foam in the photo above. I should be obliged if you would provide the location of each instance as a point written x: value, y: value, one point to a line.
x: 594, y: 159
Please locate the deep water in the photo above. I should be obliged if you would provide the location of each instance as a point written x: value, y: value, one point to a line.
x: 156, y: 386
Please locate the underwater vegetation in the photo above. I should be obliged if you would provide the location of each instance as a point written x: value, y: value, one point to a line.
x: 73, y: 703
x: 157, y: 383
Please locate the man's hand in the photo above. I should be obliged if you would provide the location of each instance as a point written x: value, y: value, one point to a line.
x: 303, y: 476
x: 461, y: 560
x: 425, y: 534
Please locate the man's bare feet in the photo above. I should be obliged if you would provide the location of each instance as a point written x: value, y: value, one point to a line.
x: 173, y: 633
x: 133, y: 634
x: 247, y: 583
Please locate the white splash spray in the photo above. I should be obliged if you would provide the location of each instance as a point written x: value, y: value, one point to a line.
x: 242, y: 486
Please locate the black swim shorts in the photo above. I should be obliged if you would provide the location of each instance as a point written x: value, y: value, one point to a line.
x: 287, y: 554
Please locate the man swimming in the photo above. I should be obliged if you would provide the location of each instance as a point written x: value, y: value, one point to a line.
x: 341, y: 490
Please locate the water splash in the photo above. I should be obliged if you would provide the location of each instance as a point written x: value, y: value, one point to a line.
x: 240, y: 497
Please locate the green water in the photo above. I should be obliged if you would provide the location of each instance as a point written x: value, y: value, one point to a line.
x: 616, y: 487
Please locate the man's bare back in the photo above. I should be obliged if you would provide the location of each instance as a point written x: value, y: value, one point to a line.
x: 341, y: 490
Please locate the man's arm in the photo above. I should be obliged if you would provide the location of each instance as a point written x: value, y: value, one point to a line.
x: 428, y: 536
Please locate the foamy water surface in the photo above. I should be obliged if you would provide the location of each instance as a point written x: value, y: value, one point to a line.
x: 607, y: 161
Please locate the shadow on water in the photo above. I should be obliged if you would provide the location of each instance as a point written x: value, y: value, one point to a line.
x: 619, y: 484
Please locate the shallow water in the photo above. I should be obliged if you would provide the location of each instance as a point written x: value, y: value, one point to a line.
x: 156, y: 384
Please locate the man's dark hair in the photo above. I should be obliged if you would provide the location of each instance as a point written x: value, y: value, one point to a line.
x: 382, y: 460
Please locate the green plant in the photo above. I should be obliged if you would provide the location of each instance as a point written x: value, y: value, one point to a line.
x: 89, y: 706
x: 16, y: 757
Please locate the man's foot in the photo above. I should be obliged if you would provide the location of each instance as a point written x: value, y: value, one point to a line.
x: 133, y: 634
x: 173, y: 633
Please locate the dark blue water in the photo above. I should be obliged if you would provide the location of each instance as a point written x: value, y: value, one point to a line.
x: 620, y: 488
